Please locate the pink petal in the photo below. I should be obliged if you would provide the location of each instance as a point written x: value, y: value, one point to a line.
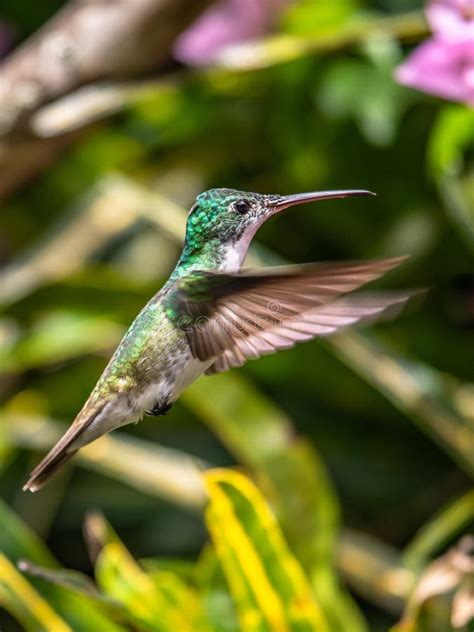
x: 228, y: 22
x: 441, y: 68
x: 452, y: 20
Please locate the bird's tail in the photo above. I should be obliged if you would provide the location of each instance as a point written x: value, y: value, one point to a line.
x: 61, y: 452
x: 48, y: 466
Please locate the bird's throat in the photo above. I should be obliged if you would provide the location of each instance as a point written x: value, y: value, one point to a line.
x: 208, y: 255
x: 212, y: 255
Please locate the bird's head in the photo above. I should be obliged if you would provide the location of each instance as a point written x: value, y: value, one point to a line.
x: 226, y: 220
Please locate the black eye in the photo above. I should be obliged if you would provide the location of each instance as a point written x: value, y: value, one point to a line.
x: 242, y: 206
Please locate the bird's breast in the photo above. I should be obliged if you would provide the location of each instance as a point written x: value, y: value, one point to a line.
x: 153, y: 361
x: 174, y: 376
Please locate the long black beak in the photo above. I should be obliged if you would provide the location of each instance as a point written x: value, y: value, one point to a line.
x: 285, y: 201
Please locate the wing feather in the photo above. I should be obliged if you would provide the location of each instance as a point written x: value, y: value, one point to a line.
x: 320, y: 321
x: 251, y: 313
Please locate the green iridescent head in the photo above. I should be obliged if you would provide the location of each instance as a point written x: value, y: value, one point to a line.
x: 224, y: 215
x: 222, y: 222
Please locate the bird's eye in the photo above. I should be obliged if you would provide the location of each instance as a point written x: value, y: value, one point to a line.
x: 242, y: 206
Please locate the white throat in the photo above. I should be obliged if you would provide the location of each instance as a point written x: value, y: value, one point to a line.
x: 234, y: 258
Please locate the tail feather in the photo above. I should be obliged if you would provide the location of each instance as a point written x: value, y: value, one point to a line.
x: 60, y: 453
x: 44, y: 471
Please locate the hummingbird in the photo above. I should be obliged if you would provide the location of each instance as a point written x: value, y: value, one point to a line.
x: 212, y: 315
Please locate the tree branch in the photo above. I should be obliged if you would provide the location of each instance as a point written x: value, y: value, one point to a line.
x: 87, y: 40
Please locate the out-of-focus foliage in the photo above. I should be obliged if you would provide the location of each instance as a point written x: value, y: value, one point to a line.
x: 361, y: 446
x: 265, y: 590
x: 268, y: 588
x: 450, y: 576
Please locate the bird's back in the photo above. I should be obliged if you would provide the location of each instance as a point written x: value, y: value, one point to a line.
x: 151, y: 353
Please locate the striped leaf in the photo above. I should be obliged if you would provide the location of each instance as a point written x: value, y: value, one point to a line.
x: 270, y: 589
x: 160, y: 601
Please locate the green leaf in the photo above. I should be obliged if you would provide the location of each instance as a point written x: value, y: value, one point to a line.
x: 59, y: 336
x: 26, y: 600
x: 18, y: 541
x: 291, y: 474
x: 216, y: 599
x: 159, y: 601
x: 310, y: 18
x: 73, y: 580
x: 440, y: 530
x: 451, y: 136
x: 23, y: 602
x: 418, y: 390
x: 270, y: 589
x: 366, y: 93
x: 450, y: 139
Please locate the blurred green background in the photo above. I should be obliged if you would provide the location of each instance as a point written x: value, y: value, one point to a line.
x: 386, y: 414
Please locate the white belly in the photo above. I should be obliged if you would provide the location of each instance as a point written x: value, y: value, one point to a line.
x: 192, y: 370
x: 119, y: 411
x: 169, y: 388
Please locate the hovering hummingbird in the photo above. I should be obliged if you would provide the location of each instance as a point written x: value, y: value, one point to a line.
x: 210, y: 316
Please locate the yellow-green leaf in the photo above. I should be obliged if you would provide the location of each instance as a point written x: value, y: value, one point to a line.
x: 21, y: 596
x: 216, y: 599
x: 17, y: 540
x: 23, y: 602
x: 160, y: 601
x: 291, y: 473
x: 269, y: 586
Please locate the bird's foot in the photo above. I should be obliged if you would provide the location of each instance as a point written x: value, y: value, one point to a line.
x: 160, y: 408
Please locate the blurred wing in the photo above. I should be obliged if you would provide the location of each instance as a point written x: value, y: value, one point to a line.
x: 320, y: 321
x: 242, y: 313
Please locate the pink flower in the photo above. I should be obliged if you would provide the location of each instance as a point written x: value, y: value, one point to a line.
x: 441, y: 68
x: 444, y: 64
x: 452, y: 20
x: 228, y: 22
